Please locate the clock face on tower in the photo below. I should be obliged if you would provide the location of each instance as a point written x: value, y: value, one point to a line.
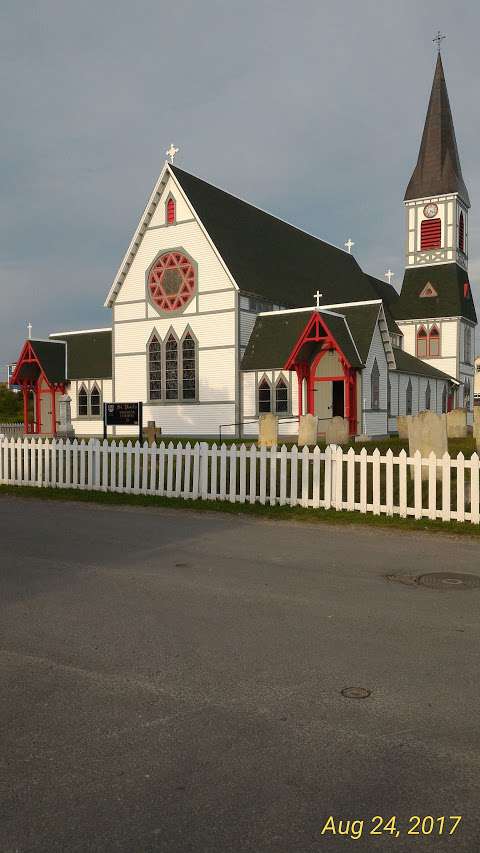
x: 430, y: 210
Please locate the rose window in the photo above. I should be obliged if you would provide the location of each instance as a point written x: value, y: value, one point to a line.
x: 171, y: 282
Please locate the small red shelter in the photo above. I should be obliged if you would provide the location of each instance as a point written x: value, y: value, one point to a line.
x: 41, y: 372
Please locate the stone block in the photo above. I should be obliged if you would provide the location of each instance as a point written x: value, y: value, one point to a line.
x: 268, y: 430
x: 402, y: 426
x: 476, y: 426
x: 457, y: 423
x: 337, y: 431
x: 427, y: 432
x: 307, y: 430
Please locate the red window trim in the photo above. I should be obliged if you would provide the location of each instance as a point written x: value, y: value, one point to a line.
x: 461, y: 232
x: 436, y: 337
x: 170, y: 211
x: 422, y: 335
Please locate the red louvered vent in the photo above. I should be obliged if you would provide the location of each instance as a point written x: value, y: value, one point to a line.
x: 466, y: 290
x: 431, y: 233
x: 170, y: 211
x: 461, y: 233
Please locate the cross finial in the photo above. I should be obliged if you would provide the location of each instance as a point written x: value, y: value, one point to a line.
x: 439, y: 38
x: 317, y: 296
x: 170, y: 152
x: 29, y: 327
x: 348, y: 245
x: 389, y: 274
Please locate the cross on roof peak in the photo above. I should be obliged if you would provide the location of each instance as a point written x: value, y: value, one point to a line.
x: 439, y: 38
x: 318, y: 296
x: 389, y: 274
x: 348, y: 245
x: 29, y: 327
x: 170, y: 152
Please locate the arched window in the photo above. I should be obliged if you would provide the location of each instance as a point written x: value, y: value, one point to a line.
x: 434, y: 342
x: 444, y: 399
x: 82, y: 402
x: 95, y: 402
x: 389, y: 397
x: 281, y: 396
x: 264, y: 396
x: 375, y: 386
x: 408, y: 398
x: 170, y: 211
x: 154, y: 369
x: 461, y: 233
x: 171, y: 368
x: 467, y: 345
x: 189, y: 368
x: 466, y: 393
x: 430, y: 234
x: 428, y: 396
x: 422, y: 343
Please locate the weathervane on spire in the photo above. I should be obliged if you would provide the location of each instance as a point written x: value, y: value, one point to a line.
x: 170, y: 152
x: 439, y: 38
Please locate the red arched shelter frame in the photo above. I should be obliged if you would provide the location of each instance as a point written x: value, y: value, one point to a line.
x: 30, y: 376
x: 317, y: 332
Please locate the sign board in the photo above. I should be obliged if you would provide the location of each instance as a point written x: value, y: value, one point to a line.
x: 10, y: 372
x: 122, y: 414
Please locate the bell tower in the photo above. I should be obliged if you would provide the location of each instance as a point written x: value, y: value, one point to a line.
x: 436, y: 199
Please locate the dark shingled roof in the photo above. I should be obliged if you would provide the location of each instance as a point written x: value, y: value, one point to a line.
x: 270, y: 258
x: 448, y: 280
x: 361, y: 320
x: 275, y: 335
x: 388, y: 295
x: 407, y: 363
x: 52, y: 358
x: 438, y: 168
x: 89, y: 355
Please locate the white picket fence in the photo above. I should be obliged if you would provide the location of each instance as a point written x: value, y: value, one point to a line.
x: 330, y: 478
x: 12, y: 430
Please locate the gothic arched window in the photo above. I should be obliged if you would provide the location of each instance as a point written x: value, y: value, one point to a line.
x: 389, y: 397
x: 461, y: 232
x: 171, y: 368
x: 422, y: 343
x: 82, y: 402
x: 467, y: 345
x: 428, y: 396
x: 281, y: 396
x: 434, y: 342
x: 154, y: 369
x: 467, y: 389
x: 375, y: 386
x: 95, y: 402
x: 264, y: 396
x: 189, y: 368
x: 444, y: 399
x: 408, y: 398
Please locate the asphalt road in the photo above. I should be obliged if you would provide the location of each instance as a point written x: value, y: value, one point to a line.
x: 172, y: 681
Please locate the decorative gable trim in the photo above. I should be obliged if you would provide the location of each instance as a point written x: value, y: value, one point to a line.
x: 428, y: 291
x: 145, y: 220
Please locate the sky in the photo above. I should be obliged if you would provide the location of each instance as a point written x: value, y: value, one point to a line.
x: 312, y: 110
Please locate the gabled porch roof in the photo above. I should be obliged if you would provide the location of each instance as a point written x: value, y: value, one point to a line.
x: 40, y: 357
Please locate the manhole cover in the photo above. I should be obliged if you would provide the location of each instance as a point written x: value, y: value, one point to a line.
x: 356, y: 692
x: 449, y: 580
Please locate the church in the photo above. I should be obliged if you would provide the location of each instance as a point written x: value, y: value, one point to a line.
x: 221, y: 311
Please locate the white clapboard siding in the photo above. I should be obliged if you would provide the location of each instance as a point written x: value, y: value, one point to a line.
x: 437, y: 489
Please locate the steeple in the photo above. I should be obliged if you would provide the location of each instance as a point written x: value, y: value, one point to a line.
x: 438, y: 170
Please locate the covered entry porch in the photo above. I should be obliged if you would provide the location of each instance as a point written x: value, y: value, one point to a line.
x: 40, y: 373
x: 327, y: 365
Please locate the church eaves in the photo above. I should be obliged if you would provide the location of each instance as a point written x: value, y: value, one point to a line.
x: 438, y: 170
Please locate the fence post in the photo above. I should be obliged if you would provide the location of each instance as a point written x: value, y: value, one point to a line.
x: 351, y: 479
x: 460, y: 487
x: 294, y: 475
x: 338, y: 478
x: 432, y: 486
x: 446, y: 487
x: 327, y: 480
x: 196, y: 472
x: 243, y: 473
x: 233, y: 474
x: 253, y: 474
x: 417, y: 484
x: 204, y: 470
x: 389, y: 482
x: 317, y: 456
x: 273, y: 476
x: 474, y: 489
x: 376, y: 481
x: 402, y: 483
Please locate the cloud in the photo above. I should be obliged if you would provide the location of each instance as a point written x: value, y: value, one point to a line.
x: 316, y: 116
